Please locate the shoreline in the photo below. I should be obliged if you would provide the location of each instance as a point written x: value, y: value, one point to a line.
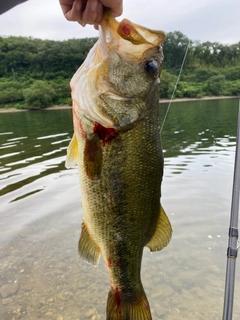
x: 198, y: 99
x: 12, y: 109
x: 58, y: 107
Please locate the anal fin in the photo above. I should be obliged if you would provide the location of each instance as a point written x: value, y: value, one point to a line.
x: 89, y: 251
x: 162, y: 234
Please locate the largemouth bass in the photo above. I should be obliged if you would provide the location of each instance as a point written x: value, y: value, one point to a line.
x: 116, y: 145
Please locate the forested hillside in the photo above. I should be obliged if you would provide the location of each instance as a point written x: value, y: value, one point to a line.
x: 35, y: 73
x: 210, y: 69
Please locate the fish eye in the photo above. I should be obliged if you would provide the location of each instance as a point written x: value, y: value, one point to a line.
x: 151, y: 67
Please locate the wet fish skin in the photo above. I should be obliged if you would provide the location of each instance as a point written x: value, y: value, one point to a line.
x: 117, y: 147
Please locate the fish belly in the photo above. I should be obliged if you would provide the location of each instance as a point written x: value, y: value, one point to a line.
x: 121, y: 205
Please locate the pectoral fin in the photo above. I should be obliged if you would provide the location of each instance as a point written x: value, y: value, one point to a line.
x: 72, y: 153
x: 162, y: 234
x: 87, y: 247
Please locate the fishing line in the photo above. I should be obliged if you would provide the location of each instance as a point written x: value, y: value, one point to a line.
x: 178, y: 78
x: 176, y: 84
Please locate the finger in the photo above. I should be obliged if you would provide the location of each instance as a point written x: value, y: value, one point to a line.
x: 90, y: 13
x: 116, y: 6
x: 66, y: 5
x: 117, y: 11
x: 73, y: 13
x: 99, y: 13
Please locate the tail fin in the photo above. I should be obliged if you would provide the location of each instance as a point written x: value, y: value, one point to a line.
x: 121, y: 307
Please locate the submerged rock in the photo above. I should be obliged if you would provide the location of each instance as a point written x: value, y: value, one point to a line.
x: 8, y: 289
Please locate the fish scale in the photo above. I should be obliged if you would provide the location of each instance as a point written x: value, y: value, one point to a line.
x: 120, y: 166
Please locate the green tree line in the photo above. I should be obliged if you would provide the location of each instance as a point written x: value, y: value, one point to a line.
x: 35, y: 73
x: 210, y: 68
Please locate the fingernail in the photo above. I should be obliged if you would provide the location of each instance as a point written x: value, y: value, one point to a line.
x: 99, y: 7
x: 78, y: 6
x: 93, y: 6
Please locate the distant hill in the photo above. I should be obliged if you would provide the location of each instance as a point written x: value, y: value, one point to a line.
x: 36, y: 73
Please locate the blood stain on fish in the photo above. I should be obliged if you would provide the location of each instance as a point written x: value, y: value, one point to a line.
x: 79, y: 124
x: 109, y: 262
x: 117, y: 298
x: 126, y: 29
x: 106, y: 135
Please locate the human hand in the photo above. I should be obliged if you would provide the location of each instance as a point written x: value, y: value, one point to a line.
x: 89, y: 11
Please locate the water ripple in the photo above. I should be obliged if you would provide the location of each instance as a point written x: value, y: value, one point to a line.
x: 40, y: 214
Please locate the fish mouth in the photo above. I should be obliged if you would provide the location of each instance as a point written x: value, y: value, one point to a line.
x: 127, y: 38
x: 94, y: 94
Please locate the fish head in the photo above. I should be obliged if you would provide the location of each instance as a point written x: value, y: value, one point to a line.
x: 115, y: 84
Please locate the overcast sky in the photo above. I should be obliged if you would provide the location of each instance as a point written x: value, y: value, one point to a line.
x: 204, y: 20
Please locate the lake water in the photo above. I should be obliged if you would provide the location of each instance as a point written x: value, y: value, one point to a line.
x: 42, y: 276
